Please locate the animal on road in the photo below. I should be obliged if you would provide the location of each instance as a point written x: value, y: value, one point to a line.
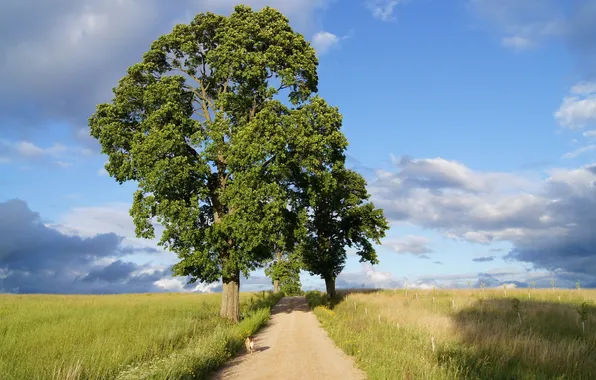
x: 250, y: 343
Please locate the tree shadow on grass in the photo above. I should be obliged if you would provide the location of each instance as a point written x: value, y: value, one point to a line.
x: 548, y: 343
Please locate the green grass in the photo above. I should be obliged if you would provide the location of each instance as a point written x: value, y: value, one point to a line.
x: 136, y: 336
x: 477, y: 334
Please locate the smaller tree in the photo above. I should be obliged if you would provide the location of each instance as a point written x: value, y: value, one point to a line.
x: 340, y: 216
x: 284, y: 272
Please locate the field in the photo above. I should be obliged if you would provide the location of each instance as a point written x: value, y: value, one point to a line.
x: 159, y: 336
x: 465, y: 334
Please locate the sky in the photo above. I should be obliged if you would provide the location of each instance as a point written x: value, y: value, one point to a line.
x: 473, y: 122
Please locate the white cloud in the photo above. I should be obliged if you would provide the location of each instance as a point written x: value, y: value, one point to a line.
x: 170, y: 284
x: 368, y: 277
x: 323, y: 41
x: 449, y: 196
x: 576, y: 112
x: 416, y: 245
x: 442, y: 173
x: 517, y: 43
x: 178, y: 284
x: 108, y: 218
x: 63, y: 164
x: 584, y: 88
x: 384, y: 9
x: 72, y: 38
x: 28, y: 149
x: 523, y: 23
x: 578, y: 152
x: 548, y: 221
x: 57, y: 154
x: 36, y: 257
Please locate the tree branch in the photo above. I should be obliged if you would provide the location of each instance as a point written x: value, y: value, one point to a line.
x: 269, y: 160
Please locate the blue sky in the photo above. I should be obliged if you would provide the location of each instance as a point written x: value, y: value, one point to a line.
x: 471, y: 120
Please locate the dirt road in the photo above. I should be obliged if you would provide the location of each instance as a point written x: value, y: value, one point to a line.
x: 293, y: 346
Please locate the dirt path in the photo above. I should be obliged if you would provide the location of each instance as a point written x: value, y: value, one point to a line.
x: 292, y: 346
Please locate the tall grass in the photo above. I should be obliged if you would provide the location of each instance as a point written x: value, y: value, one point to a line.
x: 476, y: 334
x: 98, y: 337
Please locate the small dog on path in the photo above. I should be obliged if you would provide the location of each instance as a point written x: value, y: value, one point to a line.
x: 250, y: 343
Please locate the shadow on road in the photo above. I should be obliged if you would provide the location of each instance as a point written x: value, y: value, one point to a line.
x: 260, y: 349
x: 290, y: 304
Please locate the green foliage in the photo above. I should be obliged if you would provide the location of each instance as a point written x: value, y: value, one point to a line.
x: 286, y: 270
x: 341, y: 217
x: 201, y: 126
x: 196, y: 125
x: 316, y: 299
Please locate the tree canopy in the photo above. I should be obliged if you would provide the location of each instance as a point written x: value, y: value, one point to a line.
x: 284, y: 272
x: 340, y: 216
x: 216, y: 125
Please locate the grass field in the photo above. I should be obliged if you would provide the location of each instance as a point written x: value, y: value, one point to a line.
x: 159, y: 336
x: 465, y: 334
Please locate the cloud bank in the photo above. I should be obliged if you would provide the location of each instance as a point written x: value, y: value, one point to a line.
x: 548, y: 221
x: 40, y: 258
x: 63, y: 57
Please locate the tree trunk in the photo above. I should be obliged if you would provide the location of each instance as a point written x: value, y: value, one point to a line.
x: 278, y: 255
x: 230, y: 301
x: 330, y: 286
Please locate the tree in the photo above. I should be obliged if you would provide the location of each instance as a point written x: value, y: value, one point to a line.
x: 285, y: 273
x: 201, y: 126
x: 340, y: 217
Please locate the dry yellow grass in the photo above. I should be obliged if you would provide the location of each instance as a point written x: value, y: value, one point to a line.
x: 476, y: 334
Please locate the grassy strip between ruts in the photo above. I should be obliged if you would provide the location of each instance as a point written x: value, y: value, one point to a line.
x: 465, y: 334
x: 205, y: 354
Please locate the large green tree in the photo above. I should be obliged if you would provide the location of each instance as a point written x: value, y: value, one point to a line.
x: 214, y: 125
x: 340, y: 216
